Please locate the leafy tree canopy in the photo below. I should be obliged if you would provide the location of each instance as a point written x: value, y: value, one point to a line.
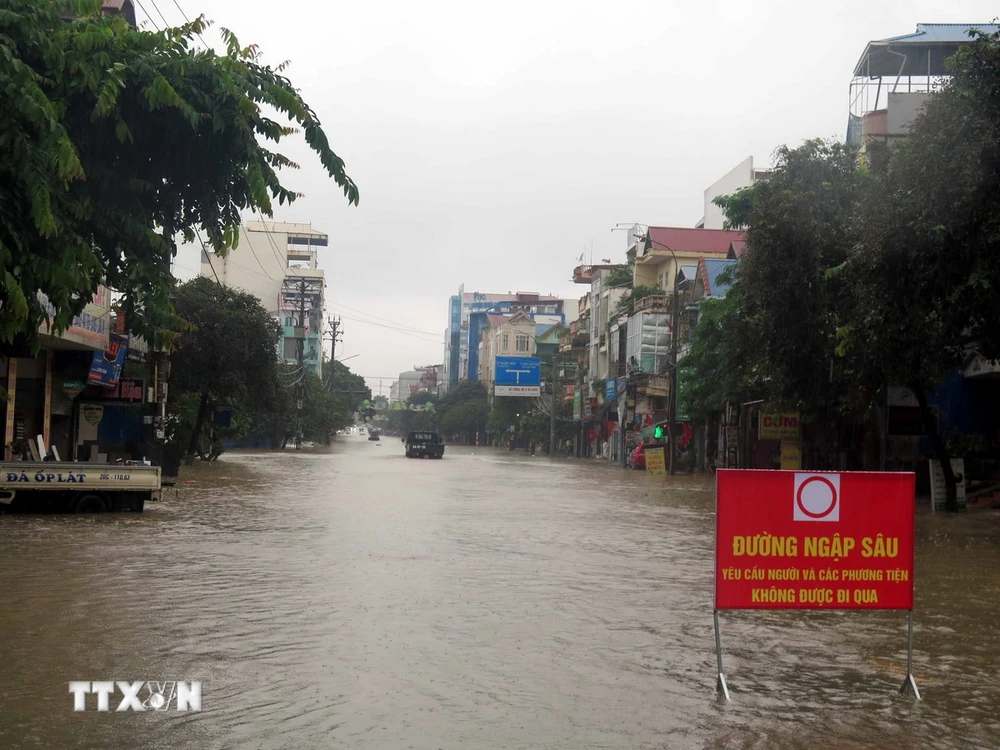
x: 113, y: 141
x: 799, y: 225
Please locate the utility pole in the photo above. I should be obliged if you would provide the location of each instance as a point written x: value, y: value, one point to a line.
x: 300, y: 387
x: 336, y: 334
x: 672, y: 416
x: 552, y: 408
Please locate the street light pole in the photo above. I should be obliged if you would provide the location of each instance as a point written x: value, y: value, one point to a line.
x: 675, y: 315
x: 672, y: 416
x: 552, y: 409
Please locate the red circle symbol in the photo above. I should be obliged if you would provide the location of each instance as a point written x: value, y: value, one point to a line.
x: 833, y: 497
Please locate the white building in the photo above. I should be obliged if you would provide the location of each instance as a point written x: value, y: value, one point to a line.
x: 277, y: 263
x: 741, y: 176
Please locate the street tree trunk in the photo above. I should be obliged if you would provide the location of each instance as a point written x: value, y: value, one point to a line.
x: 940, y: 450
x: 196, y: 432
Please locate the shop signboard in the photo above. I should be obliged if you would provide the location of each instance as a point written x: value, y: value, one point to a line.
x: 90, y: 328
x: 610, y: 389
x: 655, y: 463
x: 684, y: 375
x: 791, y: 454
x: 800, y: 540
x: 577, y: 404
x: 939, y: 492
x: 106, y: 366
x: 779, y: 426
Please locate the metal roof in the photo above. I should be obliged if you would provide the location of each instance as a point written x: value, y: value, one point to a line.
x: 921, y: 53
x: 713, y: 267
x: 955, y: 33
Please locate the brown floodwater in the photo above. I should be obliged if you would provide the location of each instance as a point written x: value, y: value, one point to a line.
x: 354, y: 598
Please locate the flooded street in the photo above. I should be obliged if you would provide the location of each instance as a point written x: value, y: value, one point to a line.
x: 359, y: 599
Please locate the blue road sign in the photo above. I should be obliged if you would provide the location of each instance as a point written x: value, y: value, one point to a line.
x: 518, y: 376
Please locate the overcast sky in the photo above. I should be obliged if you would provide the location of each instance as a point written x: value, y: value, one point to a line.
x: 493, y: 144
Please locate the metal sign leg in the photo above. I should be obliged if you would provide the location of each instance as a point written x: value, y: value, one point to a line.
x: 720, y: 684
x: 909, y: 684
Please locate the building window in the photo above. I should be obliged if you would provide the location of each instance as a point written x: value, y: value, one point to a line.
x: 506, y: 342
x: 291, y: 348
x: 289, y: 322
x: 522, y: 342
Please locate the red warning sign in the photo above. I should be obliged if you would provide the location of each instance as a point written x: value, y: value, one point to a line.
x: 813, y: 540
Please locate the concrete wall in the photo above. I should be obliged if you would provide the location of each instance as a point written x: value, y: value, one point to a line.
x: 740, y: 176
x: 903, y: 110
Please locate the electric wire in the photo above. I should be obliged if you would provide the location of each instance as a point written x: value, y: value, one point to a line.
x: 385, y: 320
x: 166, y: 24
x: 139, y: 3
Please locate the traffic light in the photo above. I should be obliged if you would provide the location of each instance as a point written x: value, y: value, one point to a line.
x: 659, y: 432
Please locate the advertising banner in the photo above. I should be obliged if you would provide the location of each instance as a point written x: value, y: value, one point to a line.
x: 684, y: 375
x: 577, y: 404
x: 939, y: 492
x: 791, y: 454
x: 610, y: 389
x: 106, y: 367
x: 802, y: 540
x: 655, y: 463
x: 779, y: 426
x: 518, y: 376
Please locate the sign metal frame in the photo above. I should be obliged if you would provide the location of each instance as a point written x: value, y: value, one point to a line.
x: 909, y: 684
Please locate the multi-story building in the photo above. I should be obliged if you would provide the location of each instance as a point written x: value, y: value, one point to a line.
x: 506, y: 336
x: 418, y: 380
x: 468, y: 316
x: 277, y: 262
x: 895, y: 76
x: 743, y: 175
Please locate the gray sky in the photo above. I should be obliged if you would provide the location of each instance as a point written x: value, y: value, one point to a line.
x: 494, y: 144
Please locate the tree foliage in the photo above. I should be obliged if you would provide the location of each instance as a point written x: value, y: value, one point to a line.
x: 114, y: 141
x: 799, y: 225
x: 228, y: 355
x: 462, y: 413
x: 926, y: 275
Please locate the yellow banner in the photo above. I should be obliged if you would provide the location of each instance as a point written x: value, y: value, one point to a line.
x: 791, y: 454
x: 655, y: 463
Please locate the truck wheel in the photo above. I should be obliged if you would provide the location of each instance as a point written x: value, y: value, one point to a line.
x: 90, y: 504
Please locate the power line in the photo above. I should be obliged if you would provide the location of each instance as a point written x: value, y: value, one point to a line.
x: 208, y: 255
x: 188, y: 20
x: 254, y: 254
x: 387, y: 320
x: 139, y: 3
x: 421, y: 336
x: 166, y: 24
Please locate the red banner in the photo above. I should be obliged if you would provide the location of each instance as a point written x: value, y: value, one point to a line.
x: 802, y: 540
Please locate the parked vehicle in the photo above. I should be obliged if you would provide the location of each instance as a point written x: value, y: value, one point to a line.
x: 61, y: 487
x: 423, y: 445
x: 637, y: 459
x: 374, y: 435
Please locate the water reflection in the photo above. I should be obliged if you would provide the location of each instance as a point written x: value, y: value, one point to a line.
x: 359, y: 599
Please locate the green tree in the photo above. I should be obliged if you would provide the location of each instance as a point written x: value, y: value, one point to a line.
x: 349, y: 388
x: 926, y: 276
x: 114, y: 141
x: 228, y: 354
x: 799, y: 225
x: 723, y: 357
x: 463, y: 411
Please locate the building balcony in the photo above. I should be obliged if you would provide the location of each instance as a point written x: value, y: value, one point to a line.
x: 655, y: 303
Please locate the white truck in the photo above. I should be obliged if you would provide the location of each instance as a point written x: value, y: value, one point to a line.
x: 59, y: 487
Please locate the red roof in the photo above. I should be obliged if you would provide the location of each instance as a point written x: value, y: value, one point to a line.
x: 711, y: 241
x: 739, y: 246
x: 496, y: 319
